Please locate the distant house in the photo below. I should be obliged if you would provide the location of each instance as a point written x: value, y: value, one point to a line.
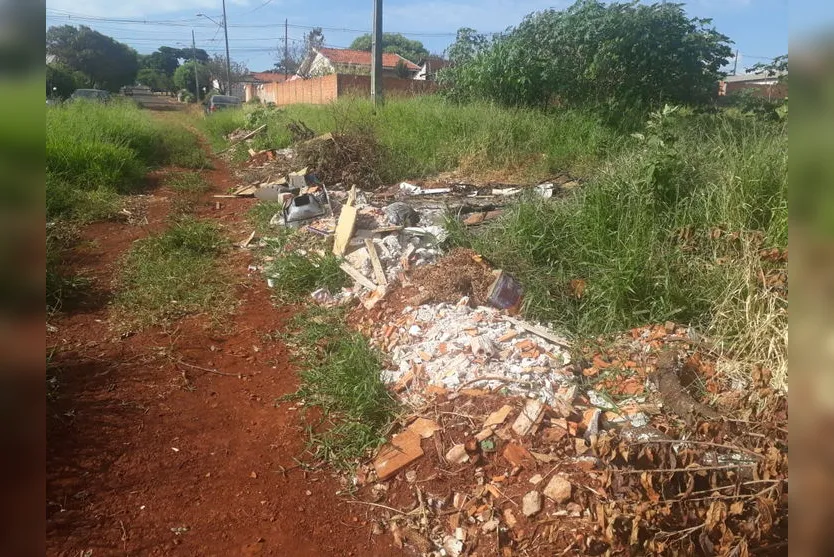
x: 325, y: 61
x: 429, y: 67
x: 255, y: 83
x: 761, y: 84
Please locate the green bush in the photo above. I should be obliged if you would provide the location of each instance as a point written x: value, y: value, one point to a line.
x: 621, y: 58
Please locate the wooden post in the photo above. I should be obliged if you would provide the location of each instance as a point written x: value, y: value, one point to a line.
x: 376, y: 55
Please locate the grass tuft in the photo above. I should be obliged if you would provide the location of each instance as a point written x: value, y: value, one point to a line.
x: 296, y: 275
x: 341, y: 375
x: 175, y: 273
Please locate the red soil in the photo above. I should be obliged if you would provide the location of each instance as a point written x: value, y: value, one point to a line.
x: 147, y: 456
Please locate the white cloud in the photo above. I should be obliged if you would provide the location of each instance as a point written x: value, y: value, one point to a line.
x: 139, y: 8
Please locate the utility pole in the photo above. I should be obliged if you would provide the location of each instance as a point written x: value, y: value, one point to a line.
x: 286, y: 50
x: 228, y: 60
x: 376, y: 55
x: 196, y: 79
x: 735, y: 64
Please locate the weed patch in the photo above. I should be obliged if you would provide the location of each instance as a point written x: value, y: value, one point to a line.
x: 296, y: 275
x: 341, y: 375
x: 106, y: 149
x: 173, y: 274
x: 668, y: 230
x: 423, y: 136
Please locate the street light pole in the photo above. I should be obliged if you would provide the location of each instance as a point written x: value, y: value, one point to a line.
x: 228, y: 60
x: 196, y: 79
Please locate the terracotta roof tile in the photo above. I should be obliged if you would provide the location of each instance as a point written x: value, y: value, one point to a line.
x: 363, y: 58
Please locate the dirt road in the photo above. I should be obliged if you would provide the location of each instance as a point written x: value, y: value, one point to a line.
x: 148, y: 454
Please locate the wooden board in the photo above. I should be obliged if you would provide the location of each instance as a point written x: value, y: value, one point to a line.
x: 379, y: 272
x: 245, y: 191
x: 344, y: 230
x: 357, y: 276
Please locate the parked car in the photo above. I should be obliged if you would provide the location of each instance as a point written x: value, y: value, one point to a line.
x: 221, y: 102
x: 96, y: 95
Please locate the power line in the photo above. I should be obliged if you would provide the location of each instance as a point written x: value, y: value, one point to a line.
x: 187, y: 22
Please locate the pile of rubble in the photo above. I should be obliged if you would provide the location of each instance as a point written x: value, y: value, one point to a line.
x: 455, y: 345
x: 473, y: 472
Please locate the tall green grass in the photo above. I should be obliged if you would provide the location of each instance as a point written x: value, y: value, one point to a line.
x: 94, y: 152
x: 423, y: 136
x: 651, y: 237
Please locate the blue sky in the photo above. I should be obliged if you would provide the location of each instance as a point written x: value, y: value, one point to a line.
x: 759, y: 28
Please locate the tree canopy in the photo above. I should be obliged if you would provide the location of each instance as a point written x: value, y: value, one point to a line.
x: 396, y: 43
x: 614, y: 56
x: 107, y: 63
x: 184, y: 77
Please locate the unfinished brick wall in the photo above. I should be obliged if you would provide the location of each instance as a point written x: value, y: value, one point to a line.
x: 325, y: 89
x: 319, y: 90
x: 360, y: 85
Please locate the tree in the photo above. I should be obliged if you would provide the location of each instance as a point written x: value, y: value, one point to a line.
x: 615, y: 57
x: 468, y: 43
x: 289, y: 62
x: 395, y: 43
x: 776, y: 67
x: 217, y: 70
x: 155, y: 79
x: 64, y: 80
x: 184, y: 77
x: 109, y: 64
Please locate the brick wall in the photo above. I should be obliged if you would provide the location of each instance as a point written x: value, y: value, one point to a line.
x: 319, y: 90
x: 773, y: 92
x: 325, y: 89
x: 392, y: 86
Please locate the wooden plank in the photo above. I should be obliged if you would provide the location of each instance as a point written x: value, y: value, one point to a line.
x: 244, y: 138
x: 344, y: 230
x: 224, y: 196
x: 357, y: 276
x: 379, y: 272
x: 245, y: 191
x: 539, y: 332
x: 244, y: 244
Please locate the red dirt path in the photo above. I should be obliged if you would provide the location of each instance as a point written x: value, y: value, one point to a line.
x: 139, y: 445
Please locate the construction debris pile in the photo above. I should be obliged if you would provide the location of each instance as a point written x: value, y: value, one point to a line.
x: 455, y: 345
x: 473, y: 472
x: 519, y: 443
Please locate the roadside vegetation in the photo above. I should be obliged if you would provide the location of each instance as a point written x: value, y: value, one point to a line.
x: 423, y: 136
x: 95, y: 154
x: 341, y: 374
x: 174, y: 273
